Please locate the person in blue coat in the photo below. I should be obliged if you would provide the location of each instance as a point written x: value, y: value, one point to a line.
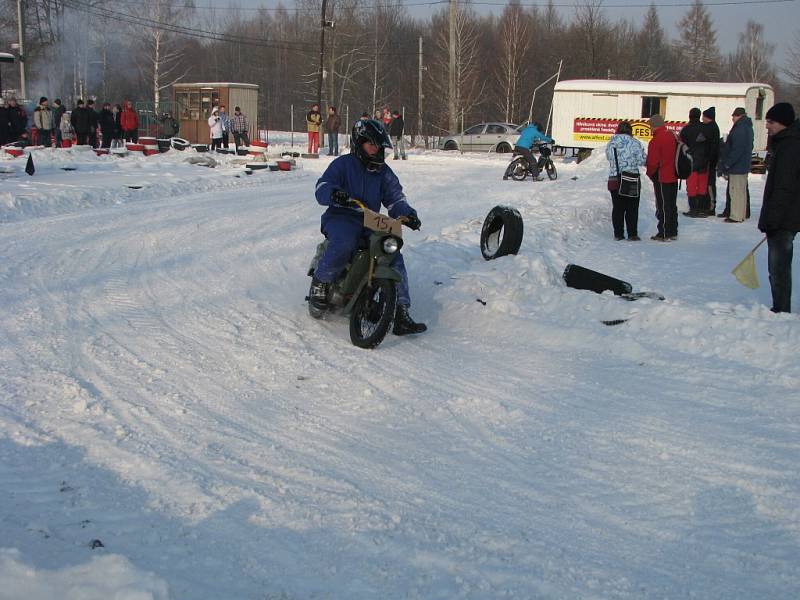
x: 529, y: 137
x: 363, y: 174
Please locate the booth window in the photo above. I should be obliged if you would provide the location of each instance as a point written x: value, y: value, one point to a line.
x: 188, y: 102
x: 653, y: 105
x: 209, y: 99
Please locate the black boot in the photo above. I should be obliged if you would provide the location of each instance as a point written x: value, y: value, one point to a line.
x: 404, y: 324
x: 317, y: 298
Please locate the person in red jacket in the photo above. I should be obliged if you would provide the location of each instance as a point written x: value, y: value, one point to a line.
x: 129, y: 122
x: 661, y: 171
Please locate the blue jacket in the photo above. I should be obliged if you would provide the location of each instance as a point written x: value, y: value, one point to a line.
x: 531, y: 135
x: 225, y: 119
x: 374, y: 189
x: 738, y: 149
x: 630, y: 154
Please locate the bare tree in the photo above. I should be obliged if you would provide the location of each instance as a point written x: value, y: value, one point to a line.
x: 160, y: 49
x: 468, y: 83
x: 514, y: 43
x: 590, y: 31
x: 792, y: 67
x: 697, y: 47
x: 753, y: 58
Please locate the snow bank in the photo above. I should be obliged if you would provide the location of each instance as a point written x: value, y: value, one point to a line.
x: 110, y: 577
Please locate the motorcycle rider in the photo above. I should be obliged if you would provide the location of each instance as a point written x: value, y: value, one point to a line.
x: 528, y: 138
x: 363, y: 174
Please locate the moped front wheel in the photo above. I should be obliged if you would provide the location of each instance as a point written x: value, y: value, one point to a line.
x: 373, y: 313
x: 550, y: 167
x: 519, y: 169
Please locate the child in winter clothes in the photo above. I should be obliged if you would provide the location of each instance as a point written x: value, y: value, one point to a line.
x: 215, y: 129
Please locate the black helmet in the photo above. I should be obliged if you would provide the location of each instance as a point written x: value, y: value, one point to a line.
x: 370, y: 130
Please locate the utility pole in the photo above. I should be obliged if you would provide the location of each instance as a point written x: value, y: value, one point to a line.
x: 419, y: 91
x: 20, y: 29
x: 332, y: 72
x: 321, y: 53
x: 452, y: 108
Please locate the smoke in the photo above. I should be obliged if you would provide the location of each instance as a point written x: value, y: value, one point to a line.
x: 90, y: 58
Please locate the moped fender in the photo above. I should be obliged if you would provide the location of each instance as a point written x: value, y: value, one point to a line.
x: 381, y: 272
x: 385, y: 272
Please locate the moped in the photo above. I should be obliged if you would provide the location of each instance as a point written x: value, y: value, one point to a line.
x: 365, y: 290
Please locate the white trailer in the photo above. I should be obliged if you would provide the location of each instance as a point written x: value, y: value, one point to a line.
x: 586, y: 112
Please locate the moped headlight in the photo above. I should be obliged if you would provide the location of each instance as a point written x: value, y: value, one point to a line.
x: 391, y: 245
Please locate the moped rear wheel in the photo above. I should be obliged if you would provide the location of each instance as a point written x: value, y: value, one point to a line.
x: 373, y: 313
x: 550, y: 167
x: 519, y: 169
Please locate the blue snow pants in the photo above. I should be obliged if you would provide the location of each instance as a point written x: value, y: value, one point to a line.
x: 343, y: 236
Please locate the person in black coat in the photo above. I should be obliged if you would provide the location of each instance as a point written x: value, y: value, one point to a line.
x: 4, y: 126
x: 93, y: 123
x: 58, y: 111
x: 709, y: 205
x: 396, y: 132
x: 107, y: 125
x: 17, y: 122
x: 695, y: 135
x: 780, y: 210
x: 117, y: 110
x: 80, y: 120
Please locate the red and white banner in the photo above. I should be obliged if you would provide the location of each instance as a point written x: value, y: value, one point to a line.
x: 600, y: 130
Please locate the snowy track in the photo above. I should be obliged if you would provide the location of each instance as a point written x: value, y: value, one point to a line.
x: 164, y: 391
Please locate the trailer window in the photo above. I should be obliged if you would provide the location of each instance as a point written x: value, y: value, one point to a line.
x: 759, y: 107
x: 653, y: 105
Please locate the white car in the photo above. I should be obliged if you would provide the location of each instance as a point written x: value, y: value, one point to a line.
x: 497, y: 137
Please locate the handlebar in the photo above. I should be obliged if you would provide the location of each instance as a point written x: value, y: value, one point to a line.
x: 402, y: 219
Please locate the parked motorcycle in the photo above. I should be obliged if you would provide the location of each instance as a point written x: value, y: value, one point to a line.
x: 365, y: 290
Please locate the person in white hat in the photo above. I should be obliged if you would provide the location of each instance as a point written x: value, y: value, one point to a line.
x: 215, y: 129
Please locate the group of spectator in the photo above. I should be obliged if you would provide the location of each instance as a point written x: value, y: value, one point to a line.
x: 392, y: 122
x: 221, y: 125
x: 55, y: 126
x: 710, y: 157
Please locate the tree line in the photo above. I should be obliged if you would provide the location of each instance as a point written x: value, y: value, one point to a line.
x: 137, y: 49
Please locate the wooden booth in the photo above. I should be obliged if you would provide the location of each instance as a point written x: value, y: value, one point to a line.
x: 194, y: 102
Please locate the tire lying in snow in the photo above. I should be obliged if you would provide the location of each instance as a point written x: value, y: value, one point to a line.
x: 501, y: 233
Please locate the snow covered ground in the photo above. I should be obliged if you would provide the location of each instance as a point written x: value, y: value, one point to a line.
x: 164, y: 393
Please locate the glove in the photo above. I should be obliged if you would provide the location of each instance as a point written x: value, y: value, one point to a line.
x: 340, y: 198
x: 413, y: 222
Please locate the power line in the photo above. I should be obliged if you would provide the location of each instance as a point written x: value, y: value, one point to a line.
x: 300, y: 47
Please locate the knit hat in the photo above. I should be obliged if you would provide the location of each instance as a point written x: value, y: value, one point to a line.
x: 782, y: 113
x: 656, y: 121
x: 710, y: 113
x: 694, y: 114
x: 739, y: 111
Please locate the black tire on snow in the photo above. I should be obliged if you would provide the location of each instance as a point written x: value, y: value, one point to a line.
x: 503, y: 148
x: 518, y: 170
x: 550, y: 168
x: 373, y: 314
x: 501, y: 233
x: 451, y: 146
